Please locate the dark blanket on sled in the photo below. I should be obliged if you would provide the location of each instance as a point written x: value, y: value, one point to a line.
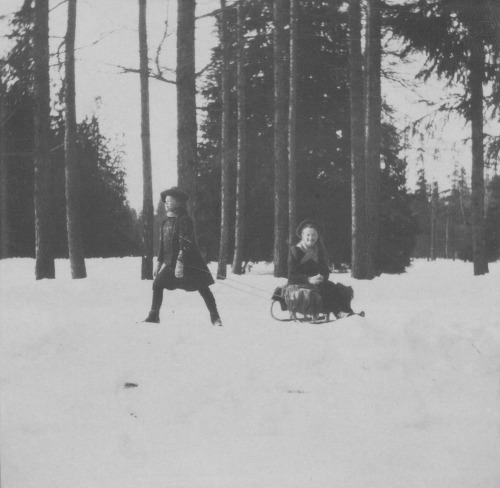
x: 336, y: 297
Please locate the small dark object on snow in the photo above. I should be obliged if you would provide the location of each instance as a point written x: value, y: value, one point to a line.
x: 130, y: 385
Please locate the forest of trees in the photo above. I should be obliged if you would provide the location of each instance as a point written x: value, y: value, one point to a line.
x: 294, y: 125
x: 107, y: 226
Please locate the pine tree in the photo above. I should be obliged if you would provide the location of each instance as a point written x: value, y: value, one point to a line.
x: 147, y: 189
x: 44, y: 264
x: 241, y: 155
x: 492, y: 222
x: 4, y: 176
x: 224, y: 148
x: 373, y: 115
x: 292, y: 123
x: 73, y: 217
x: 456, y: 35
x: 280, y: 142
x: 434, y: 220
x: 186, y: 99
x: 358, y: 169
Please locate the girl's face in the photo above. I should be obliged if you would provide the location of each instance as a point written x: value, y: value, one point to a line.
x: 171, y: 204
x: 309, y: 236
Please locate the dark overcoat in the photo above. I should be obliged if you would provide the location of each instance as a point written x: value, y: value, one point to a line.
x: 298, y: 274
x: 177, y: 237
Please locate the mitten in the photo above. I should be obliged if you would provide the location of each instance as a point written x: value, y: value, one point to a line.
x: 179, y: 267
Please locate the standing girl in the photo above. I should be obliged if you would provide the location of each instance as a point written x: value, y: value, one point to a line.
x: 180, y: 265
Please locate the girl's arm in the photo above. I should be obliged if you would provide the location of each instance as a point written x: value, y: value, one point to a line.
x: 323, y: 263
x: 186, y: 242
x: 161, y: 250
x: 186, y: 234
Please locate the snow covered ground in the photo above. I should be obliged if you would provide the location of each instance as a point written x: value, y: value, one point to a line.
x: 408, y: 397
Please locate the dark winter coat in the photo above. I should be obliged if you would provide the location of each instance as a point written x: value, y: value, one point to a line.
x: 177, y: 239
x: 298, y: 274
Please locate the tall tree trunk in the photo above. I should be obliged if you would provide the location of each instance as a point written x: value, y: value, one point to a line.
x: 224, y: 145
x: 434, y: 212
x: 358, y: 195
x: 147, y: 183
x: 447, y: 235
x: 280, y: 142
x: 73, y: 219
x: 4, y: 187
x: 292, y: 125
x: 241, y: 156
x: 373, y: 111
x: 186, y: 100
x: 44, y: 264
x: 476, y: 77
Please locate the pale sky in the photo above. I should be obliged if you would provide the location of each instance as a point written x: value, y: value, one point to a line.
x: 107, y: 35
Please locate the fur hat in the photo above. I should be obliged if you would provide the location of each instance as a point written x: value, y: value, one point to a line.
x: 309, y: 223
x: 175, y: 192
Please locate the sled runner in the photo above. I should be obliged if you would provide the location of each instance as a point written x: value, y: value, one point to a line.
x: 307, y: 302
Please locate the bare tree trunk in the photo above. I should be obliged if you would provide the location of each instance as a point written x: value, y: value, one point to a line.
x: 476, y: 77
x: 147, y: 179
x: 44, y: 264
x: 358, y: 195
x: 241, y: 156
x: 447, y: 237
x: 434, y: 211
x: 280, y: 142
x: 186, y: 100
x: 4, y: 187
x: 292, y: 125
x: 224, y: 150
x: 73, y: 220
x: 373, y: 111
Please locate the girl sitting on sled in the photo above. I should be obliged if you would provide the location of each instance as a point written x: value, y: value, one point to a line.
x: 308, y: 290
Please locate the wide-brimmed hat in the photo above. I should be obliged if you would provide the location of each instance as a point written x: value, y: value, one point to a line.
x: 309, y: 223
x: 176, y: 193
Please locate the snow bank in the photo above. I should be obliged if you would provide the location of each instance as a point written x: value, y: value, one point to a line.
x: 407, y: 397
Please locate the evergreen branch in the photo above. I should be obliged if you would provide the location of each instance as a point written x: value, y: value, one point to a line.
x: 207, y: 67
x: 216, y: 12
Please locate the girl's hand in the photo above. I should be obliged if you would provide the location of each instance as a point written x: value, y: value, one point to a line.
x: 179, y: 269
x: 316, y: 280
x: 157, y: 270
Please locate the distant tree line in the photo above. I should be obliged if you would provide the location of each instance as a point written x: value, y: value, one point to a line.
x: 444, y: 218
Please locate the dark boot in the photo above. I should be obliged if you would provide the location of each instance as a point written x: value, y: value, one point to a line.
x: 214, y: 317
x: 153, y: 317
x: 211, y: 305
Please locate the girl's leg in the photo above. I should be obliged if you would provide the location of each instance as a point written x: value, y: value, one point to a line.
x: 154, y: 313
x: 209, y: 299
x: 157, y: 297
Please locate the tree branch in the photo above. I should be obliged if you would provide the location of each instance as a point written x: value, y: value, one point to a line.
x: 58, y: 5
x: 155, y: 76
x: 204, y: 69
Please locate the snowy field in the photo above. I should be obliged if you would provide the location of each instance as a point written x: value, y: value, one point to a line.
x: 408, y: 397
